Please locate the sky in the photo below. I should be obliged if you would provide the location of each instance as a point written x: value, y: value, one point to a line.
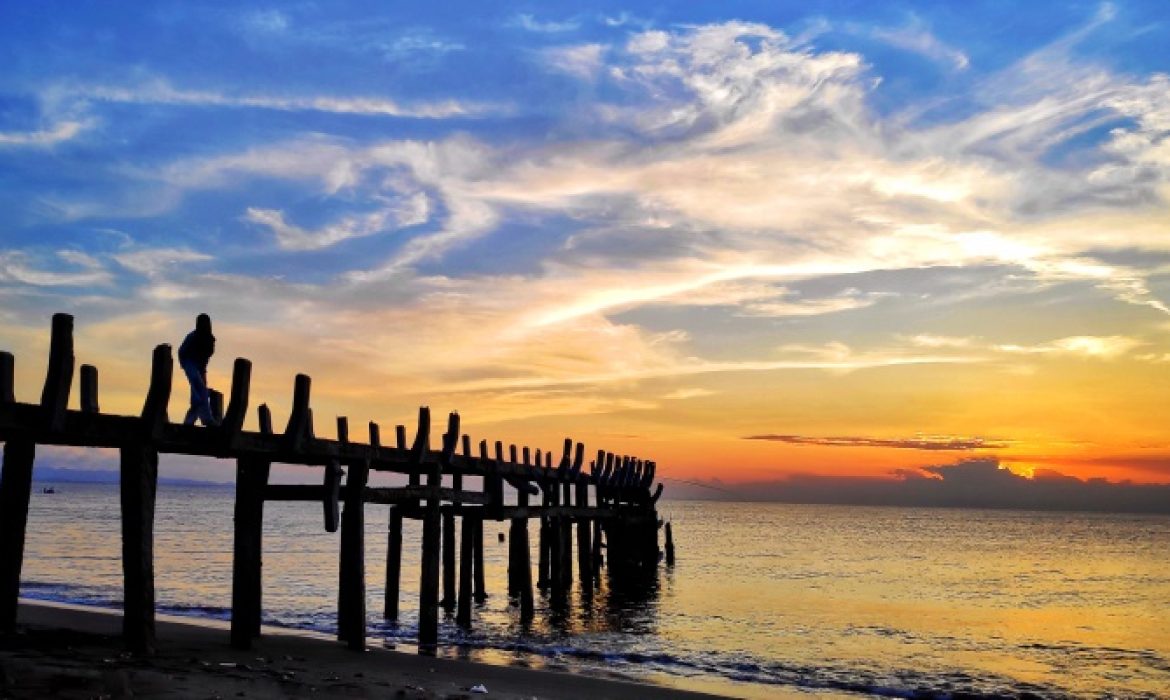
x: 751, y: 241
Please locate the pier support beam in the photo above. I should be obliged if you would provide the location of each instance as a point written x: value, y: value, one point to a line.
x: 448, y: 601
x: 251, y: 478
x: 351, y: 601
x: 477, y: 555
x: 139, y: 483
x: 466, y: 562
x: 393, y: 564
x: 15, y: 488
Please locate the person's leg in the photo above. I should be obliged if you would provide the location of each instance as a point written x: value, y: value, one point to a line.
x: 200, y: 400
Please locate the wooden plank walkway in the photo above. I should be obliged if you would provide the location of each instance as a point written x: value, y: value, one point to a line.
x: 620, y: 516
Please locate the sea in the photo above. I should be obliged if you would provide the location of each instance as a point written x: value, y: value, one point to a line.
x: 764, y: 600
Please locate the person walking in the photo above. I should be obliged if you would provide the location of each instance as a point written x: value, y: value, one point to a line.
x: 194, y: 354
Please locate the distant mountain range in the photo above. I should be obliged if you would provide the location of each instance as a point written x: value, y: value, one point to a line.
x: 58, y: 475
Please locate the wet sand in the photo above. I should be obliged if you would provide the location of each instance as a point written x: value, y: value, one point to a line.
x: 70, y: 651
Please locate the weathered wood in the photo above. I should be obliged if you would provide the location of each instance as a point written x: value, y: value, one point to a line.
x: 393, y: 564
x: 466, y: 562
x: 251, y: 476
x: 59, y: 377
x: 331, y: 495
x: 237, y: 409
x: 89, y: 389
x: 15, y: 489
x: 375, y: 435
x: 480, y: 590
x: 7, y: 378
x: 584, y: 541
x: 448, y: 600
x: 428, y: 590
x: 265, y: 419
x: 297, y: 431
x: 139, y: 482
x: 154, y: 410
x: 351, y: 603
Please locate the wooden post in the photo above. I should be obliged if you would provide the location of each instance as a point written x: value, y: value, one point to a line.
x: 299, y: 418
x: 428, y: 589
x: 59, y: 377
x: 7, y: 378
x: 351, y: 604
x: 524, y: 563
x: 233, y: 419
x: 393, y: 564
x: 448, y: 601
x: 463, y: 615
x: 139, y: 481
x: 584, y: 546
x: 477, y: 566
x: 15, y: 487
x: 138, y: 485
x: 89, y: 389
x: 251, y: 478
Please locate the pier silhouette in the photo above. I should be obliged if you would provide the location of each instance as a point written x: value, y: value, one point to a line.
x: 620, y: 516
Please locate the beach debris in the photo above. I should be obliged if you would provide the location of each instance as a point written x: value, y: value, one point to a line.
x: 480, y: 688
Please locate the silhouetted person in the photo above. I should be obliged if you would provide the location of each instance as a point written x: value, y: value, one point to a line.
x: 194, y: 353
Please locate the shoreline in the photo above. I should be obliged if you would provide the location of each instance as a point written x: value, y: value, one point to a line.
x: 66, y: 650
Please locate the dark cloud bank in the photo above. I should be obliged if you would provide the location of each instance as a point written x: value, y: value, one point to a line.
x: 975, y: 483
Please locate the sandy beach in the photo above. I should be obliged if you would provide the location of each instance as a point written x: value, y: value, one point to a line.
x: 70, y: 651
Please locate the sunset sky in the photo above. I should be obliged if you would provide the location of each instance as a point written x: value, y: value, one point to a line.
x: 744, y: 239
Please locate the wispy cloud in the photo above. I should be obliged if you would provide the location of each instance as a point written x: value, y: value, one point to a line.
x: 59, y: 133
x: 944, y: 443
x: 529, y: 22
x: 917, y: 38
x: 163, y: 93
x: 409, y: 211
x: 19, y: 267
x: 1102, y: 347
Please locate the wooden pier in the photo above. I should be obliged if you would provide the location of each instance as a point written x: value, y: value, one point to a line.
x: 619, y: 516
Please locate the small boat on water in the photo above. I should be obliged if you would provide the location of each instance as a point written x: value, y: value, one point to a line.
x: 48, y: 489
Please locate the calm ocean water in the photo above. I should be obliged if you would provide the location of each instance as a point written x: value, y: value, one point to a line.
x: 766, y: 599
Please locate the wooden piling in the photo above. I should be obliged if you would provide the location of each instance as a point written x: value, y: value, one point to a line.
x: 428, y: 590
x: 59, y: 377
x: 139, y: 483
x: 351, y: 606
x: 89, y: 389
x: 393, y: 564
x: 448, y: 600
x: 251, y: 478
x: 466, y: 562
x: 300, y: 418
x: 584, y: 537
x: 669, y: 545
x: 524, y: 563
x: 15, y: 489
x: 480, y: 591
x: 247, y: 561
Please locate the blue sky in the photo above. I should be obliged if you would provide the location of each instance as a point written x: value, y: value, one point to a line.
x: 639, y: 220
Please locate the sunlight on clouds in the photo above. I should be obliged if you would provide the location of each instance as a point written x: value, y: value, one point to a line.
x: 1104, y: 347
x: 718, y: 201
x: 62, y: 131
